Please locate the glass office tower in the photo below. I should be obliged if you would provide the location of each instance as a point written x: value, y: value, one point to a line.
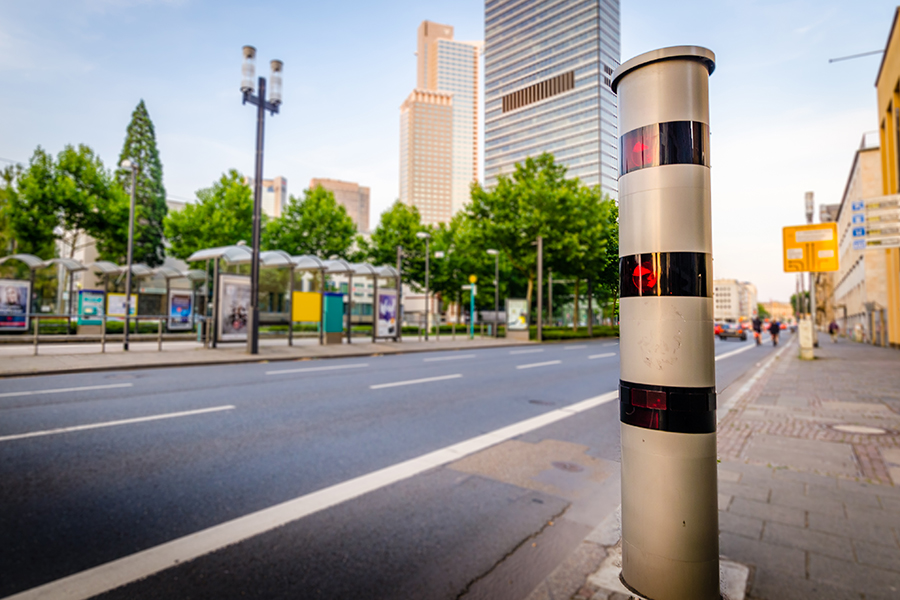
x: 547, y: 74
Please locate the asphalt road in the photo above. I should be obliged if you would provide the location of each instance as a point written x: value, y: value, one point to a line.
x: 366, y: 477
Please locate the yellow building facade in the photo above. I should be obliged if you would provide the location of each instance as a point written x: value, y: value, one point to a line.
x: 887, y: 85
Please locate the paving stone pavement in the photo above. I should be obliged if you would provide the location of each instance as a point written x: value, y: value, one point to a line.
x: 809, y: 502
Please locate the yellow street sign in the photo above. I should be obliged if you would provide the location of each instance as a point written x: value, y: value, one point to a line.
x: 810, y: 248
x: 473, y: 278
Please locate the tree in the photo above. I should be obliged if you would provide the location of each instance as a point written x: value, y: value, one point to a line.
x: 222, y: 215
x: 398, y: 227
x: 761, y: 311
x: 150, y: 195
x: 315, y: 225
x: 33, y: 214
x: 538, y: 200
x: 8, y: 177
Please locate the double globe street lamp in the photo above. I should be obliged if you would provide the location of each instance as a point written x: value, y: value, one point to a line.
x: 130, y: 166
x: 263, y: 105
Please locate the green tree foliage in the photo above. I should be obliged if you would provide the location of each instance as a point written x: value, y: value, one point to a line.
x: 8, y: 177
x: 33, y: 214
x: 398, y: 227
x: 150, y: 195
x: 315, y: 225
x: 222, y: 216
x: 538, y: 200
x: 761, y: 311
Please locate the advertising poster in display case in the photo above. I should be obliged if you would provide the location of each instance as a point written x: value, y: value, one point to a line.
x: 516, y: 314
x: 234, y: 307
x: 90, y: 307
x: 181, y: 309
x: 387, y: 313
x: 15, y: 303
x: 115, y: 306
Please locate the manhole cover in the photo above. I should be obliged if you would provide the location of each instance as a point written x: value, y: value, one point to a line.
x: 862, y: 429
x: 542, y: 402
x: 568, y: 467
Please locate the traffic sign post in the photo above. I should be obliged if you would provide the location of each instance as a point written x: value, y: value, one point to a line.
x: 473, y: 289
x: 667, y: 387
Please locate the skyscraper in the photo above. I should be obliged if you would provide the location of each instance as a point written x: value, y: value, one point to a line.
x: 352, y: 196
x: 426, y: 143
x: 450, y: 68
x: 547, y: 66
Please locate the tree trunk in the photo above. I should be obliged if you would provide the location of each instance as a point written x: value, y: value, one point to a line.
x: 528, y: 298
x: 575, y: 312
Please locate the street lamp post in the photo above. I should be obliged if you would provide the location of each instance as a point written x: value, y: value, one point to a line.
x: 496, y: 256
x: 422, y: 235
x: 128, y: 164
x: 263, y: 105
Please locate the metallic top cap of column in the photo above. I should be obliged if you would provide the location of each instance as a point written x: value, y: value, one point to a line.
x: 698, y: 53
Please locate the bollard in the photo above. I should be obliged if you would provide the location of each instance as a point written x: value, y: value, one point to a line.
x: 159, y: 335
x: 103, y: 334
x: 667, y: 393
x: 37, y: 327
x: 453, y: 331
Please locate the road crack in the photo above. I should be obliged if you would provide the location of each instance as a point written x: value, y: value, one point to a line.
x: 548, y: 523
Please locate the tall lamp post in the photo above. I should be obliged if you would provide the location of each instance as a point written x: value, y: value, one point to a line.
x: 128, y: 164
x: 496, y: 256
x: 263, y: 105
x: 423, y: 235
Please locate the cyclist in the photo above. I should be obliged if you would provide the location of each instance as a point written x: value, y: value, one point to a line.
x: 757, y: 330
x: 774, y: 330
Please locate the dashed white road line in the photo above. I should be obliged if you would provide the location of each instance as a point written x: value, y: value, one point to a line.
x: 574, y: 347
x: 63, y: 390
x: 143, y: 564
x: 540, y: 364
x: 526, y: 351
x: 611, y: 344
x: 311, y: 369
x: 186, y: 413
x: 607, y: 355
x: 460, y: 357
x: 733, y: 352
x: 413, y: 381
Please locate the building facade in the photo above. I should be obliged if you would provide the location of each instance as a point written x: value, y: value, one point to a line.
x: 780, y: 311
x: 451, y: 66
x: 274, y: 195
x: 859, y: 286
x: 426, y: 154
x: 734, y: 301
x: 547, y: 68
x: 352, y: 196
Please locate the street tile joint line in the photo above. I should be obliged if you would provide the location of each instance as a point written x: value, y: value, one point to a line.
x: 414, y: 381
x: 145, y: 563
x: 311, y: 369
x: 540, y: 364
x: 64, y: 390
x: 186, y: 413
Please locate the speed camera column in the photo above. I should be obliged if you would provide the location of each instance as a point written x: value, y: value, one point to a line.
x: 667, y: 388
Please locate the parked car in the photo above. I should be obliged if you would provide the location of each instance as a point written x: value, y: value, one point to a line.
x: 717, y: 329
x: 734, y: 330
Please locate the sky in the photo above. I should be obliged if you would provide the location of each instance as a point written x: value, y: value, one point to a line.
x: 783, y: 120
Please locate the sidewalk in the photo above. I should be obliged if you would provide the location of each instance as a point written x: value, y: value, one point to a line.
x: 17, y: 361
x: 809, y: 482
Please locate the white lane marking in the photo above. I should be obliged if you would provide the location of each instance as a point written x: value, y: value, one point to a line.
x: 143, y: 564
x: 607, y: 355
x: 311, y: 369
x: 460, y: 357
x: 733, y: 352
x: 543, y: 364
x: 414, y: 381
x: 186, y: 413
x: 574, y: 347
x: 63, y: 390
x: 611, y: 344
x: 526, y: 351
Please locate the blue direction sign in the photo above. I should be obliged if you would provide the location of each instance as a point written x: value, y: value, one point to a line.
x: 859, y: 232
x: 859, y: 205
x: 859, y: 219
x: 859, y: 244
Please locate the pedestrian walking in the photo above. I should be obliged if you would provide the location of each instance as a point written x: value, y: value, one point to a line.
x: 833, y: 329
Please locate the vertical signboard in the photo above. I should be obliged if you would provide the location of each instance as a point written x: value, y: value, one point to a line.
x: 387, y: 313
x: 181, y: 309
x: 90, y: 307
x: 811, y: 248
x: 516, y: 314
x: 15, y: 304
x: 233, y: 307
x: 858, y: 224
x: 115, y: 306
